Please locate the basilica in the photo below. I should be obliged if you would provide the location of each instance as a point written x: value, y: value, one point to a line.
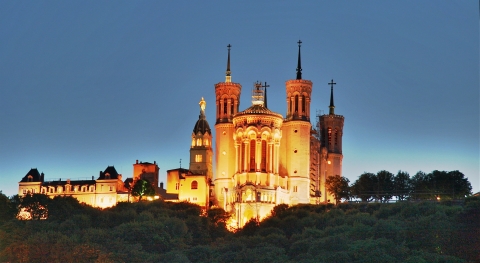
x: 262, y: 158
x: 254, y: 160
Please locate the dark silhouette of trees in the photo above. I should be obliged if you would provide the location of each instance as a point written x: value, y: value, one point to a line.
x: 338, y: 186
x: 142, y: 188
x: 384, y: 188
x: 364, y: 187
x: 402, y: 185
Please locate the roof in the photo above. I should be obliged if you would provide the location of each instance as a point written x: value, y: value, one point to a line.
x: 111, y: 171
x: 259, y: 109
x: 202, y: 127
x: 35, y: 176
x: 77, y: 182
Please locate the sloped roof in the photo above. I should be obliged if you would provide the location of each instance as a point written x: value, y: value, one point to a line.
x: 111, y: 171
x: 202, y: 126
x: 258, y: 109
x: 36, y: 176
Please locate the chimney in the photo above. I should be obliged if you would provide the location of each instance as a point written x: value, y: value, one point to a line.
x: 92, y: 178
x: 137, y: 162
x: 154, y: 162
x: 161, y: 185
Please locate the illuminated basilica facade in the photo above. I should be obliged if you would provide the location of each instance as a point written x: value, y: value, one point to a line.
x: 263, y: 159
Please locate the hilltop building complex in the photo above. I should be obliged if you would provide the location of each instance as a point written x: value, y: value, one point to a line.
x: 260, y: 158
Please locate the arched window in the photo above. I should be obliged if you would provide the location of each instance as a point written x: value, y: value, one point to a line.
x: 336, y: 135
x: 243, y: 157
x: 199, y: 142
x: 206, y: 142
x: 194, y: 185
x: 232, y: 106
x: 252, y: 155
x: 224, y: 106
x: 263, y: 164
x: 296, y: 103
x: 303, y: 103
x: 329, y: 136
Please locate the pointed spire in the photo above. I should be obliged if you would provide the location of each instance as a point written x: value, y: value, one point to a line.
x: 299, y: 65
x: 228, y: 77
x: 265, y: 97
x: 332, y: 106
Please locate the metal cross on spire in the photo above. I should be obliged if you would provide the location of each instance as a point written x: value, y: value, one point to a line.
x: 228, y: 77
x: 265, y: 96
x: 299, y: 65
x: 332, y: 106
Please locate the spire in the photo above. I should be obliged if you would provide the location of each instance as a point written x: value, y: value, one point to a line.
x: 265, y: 97
x: 299, y: 66
x: 228, y: 78
x: 332, y: 106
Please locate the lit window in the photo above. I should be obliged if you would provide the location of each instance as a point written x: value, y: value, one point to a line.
x: 111, y: 188
x: 194, y: 185
x: 199, y: 142
x: 24, y: 191
x: 198, y: 158
x: 177, y: 185
x: 295, y: 188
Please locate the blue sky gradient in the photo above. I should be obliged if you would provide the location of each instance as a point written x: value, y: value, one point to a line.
x: 87, y: 84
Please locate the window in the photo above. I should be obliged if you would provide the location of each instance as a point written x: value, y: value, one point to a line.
x: 24, y: 191
x: 336, y: 135
x: 177, y: 185
x: 303, y: 103
x: 30, y: 178
x: 91, y: 188
x: 194, y: 199
x: 263, y: 164
x: 111, y: 188
x: 231, y: 107
x: 199, y: 142
x: 329, y: 136
x: 295, y: 189
x: 194, y: 185
x: 206, y: 142
x: 252, y: 155
x: 198, y: 158
x: 224, y: 106
x: 296, y: 103
x: 107, y: 176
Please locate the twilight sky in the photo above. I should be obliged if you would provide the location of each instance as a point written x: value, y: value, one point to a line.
x: 87, y: 84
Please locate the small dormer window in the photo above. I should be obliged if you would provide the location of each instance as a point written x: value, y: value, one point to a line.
x: 107, y: 176
x: 30, y: 178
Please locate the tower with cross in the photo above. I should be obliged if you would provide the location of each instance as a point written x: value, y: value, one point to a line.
x: 296, y: 129
x: 331, y: 133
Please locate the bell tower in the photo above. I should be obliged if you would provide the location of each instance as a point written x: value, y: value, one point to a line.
x: 201, y: 149
x: 331, y: 132
x: 295, y: 161
x: 227, y: 97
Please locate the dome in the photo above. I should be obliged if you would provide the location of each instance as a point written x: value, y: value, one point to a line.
x: 202, y: 126
x: 259, y: 109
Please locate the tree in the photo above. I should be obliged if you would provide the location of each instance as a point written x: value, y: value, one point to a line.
x: 450, y: 185
x: 36, y: 205
x: 142, y: 188
x: 7, y: 211
x: 384, y: 186
x: 363, y: 187
x: 402, y: 185
x: 421, y: 188
x: 338, y: 186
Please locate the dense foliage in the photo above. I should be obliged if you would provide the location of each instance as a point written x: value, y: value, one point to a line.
x: 179, y: 232
x: 384, y: 186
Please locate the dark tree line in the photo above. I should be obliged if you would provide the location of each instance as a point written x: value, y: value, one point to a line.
x: 384, y: 186
x: 160, y: 231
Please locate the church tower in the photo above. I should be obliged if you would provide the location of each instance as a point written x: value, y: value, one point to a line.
x: 295, y: 161
x: 201, y: 150
x: 227, y: 96
x: 331, y: 132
